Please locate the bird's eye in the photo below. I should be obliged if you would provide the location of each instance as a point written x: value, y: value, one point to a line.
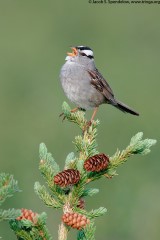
x: 83, y: 54
x: 86, y: 55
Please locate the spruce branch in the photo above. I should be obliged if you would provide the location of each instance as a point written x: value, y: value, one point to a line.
x: 26, y: 224
x: 47, y: 198
x: 86, y: 145
x: 23, y: 235
x: 136, y: 146
x: 78, y: 191
x: 68, y: 187
x: 93, y: 213
x: 89, y: 231
x: 90, y: 192
x: 8, y: 186
x: 97, y: 212
x: 62, y: 232
x: 49, y: 167
x: 70, y: 161
x: 9, y: 214
x: 26, y: 227
x: 76, y: 117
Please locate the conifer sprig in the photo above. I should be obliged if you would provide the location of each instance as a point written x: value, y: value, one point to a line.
x: 8, y: 186
x: 28, y: 229
x: 9, y: 214
x: 68, y: 197
x: 68, y: 188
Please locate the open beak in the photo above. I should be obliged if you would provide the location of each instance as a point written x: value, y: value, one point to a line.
x: 73, y: 53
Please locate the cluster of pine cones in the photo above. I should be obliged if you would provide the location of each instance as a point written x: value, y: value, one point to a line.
x: 96, y: 163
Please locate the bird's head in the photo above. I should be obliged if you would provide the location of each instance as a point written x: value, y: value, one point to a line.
x: 80, y: 54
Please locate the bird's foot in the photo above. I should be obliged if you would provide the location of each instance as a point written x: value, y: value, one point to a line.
x: 63, y: 116
x: 72, y: 111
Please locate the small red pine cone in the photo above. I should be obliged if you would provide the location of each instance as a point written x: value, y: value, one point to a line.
x: 75, y: 220
x: 81, y: 203
x: 96, y: 163
x: 28, y: 215
x: 67, y: 177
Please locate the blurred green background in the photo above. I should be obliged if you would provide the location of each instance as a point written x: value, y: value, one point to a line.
x: 34, y: 38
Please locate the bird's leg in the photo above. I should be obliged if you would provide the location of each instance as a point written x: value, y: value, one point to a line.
x: 90, y: 122
x: 94, y: 114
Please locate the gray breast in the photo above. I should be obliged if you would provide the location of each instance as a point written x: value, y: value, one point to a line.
x: 75, y: 81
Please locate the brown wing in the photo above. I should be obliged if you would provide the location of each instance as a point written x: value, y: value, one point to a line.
x: 98, y: 81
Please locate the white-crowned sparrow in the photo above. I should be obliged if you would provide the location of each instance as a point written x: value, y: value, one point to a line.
x: 84, y: 85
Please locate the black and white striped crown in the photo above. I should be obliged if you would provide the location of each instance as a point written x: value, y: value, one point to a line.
x: 85, y: 51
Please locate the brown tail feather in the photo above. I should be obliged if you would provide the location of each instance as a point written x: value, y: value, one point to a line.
x: 124, y: 108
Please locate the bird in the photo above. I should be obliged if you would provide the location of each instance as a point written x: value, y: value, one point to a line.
x: 84, y: 85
